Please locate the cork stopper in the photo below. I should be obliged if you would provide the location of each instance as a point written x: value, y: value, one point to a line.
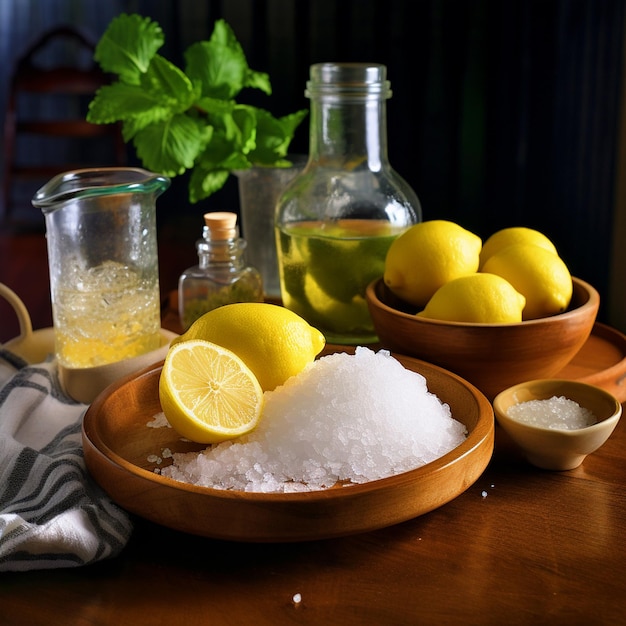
x: 221, y: 225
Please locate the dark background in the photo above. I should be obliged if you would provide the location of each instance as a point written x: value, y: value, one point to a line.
x: 504, y: 112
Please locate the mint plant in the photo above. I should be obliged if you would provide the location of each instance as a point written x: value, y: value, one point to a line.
x: 188, y: 120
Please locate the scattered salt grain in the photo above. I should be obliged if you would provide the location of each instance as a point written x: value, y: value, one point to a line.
x: 166, y: 453
x: 297, y: 598
x: 345, y: 418
x: 159, y: 421
x: 557, y: 413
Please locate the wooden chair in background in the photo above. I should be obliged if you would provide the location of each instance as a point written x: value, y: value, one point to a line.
x: 45, y: 130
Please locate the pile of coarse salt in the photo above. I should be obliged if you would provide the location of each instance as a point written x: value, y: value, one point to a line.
x: 352, y: 418
x: 557, y: 412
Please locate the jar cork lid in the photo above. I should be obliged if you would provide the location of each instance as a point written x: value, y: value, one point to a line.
x: 221, y: 225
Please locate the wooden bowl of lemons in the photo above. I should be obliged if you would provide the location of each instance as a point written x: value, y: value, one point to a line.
x: 497, y: 312
x: 492, y: 357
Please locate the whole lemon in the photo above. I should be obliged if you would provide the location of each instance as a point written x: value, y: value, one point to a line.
x: 477, y: 298
x: 272, y: 341
x: 514, y: 235
x: 427, y: 256
x: 541, y: 276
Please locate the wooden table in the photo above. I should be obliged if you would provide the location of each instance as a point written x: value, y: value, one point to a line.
x: 520, y: 546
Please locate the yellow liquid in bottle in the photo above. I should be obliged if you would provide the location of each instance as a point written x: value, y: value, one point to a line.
x: 325, y: 268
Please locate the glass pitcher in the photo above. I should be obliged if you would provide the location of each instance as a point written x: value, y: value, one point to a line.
x: 102, y: 253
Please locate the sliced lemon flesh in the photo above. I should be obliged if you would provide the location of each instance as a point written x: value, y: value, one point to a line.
x: 207, y: 393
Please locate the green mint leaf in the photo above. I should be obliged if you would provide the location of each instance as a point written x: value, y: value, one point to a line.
x: 171, y: 146
x: 235, y: 123
x: 225, y: 42
x: 291, y: 122
x: 219, y: 71
x: 220, y: 67
x: 121, y: 102
x: 163, y: 91
x: 128, y: 45
x: 212, y: 167
x: 218, y: 151
x: 258, y: 80
x: 188, y: 120
x: 273, y: 136
x: 214, y: 107
x: 244, y: 128
x: 169, y: 84
x: 203, y: 183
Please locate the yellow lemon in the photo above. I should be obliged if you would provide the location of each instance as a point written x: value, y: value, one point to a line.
x: 272, y: 341
x: 514, y: 235
x: 207, y: 393
x: 541, y: 276
x: 476, y: 298
x: 427, y: 256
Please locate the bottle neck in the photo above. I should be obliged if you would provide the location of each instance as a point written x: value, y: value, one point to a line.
x: 227, y: 252
x: 348, y: 133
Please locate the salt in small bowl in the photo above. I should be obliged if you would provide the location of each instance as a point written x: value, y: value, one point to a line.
x: 552, y: 448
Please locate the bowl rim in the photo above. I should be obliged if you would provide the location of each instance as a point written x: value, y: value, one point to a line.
x: 609, y: 421
x: 593, y: 302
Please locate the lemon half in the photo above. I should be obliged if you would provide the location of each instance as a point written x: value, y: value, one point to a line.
x: 207, y: 393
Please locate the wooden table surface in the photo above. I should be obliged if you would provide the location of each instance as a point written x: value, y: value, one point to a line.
x: 520, y: 546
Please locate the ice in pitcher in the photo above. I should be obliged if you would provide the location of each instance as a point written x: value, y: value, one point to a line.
x: 105, y: 314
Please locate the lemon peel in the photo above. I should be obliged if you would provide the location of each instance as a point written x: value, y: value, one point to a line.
x: 274, y: 342
x: 514, y: 235
x: 427, y: 256
x: 477, y: 298
x: 541, y: 276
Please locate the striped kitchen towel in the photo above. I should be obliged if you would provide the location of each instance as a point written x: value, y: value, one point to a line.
x: 52, y: 514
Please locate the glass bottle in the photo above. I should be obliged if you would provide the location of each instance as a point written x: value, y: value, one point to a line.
x: 221, y: 277
x: 337, y: 219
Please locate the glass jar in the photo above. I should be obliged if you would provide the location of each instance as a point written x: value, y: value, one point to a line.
x: 104, y: 271
x: 337, y: 219
x: 221, y: 276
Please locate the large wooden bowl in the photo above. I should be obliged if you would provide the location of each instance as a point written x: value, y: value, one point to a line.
x: 118, y: 447
x: 490, y: 356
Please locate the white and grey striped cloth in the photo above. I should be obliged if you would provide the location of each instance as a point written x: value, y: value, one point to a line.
x: 52, y: 514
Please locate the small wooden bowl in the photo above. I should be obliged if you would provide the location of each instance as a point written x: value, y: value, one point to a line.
x: 558, y: 449
x: 120, y: 449
x: 490, y: 356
